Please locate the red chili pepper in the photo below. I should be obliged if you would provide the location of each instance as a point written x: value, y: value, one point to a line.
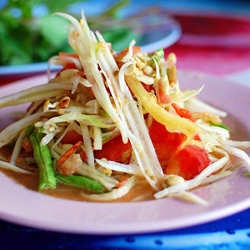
x: 147, y: 87
x: 163, y: 97
x: 83, y: 156
x: 183, y: 112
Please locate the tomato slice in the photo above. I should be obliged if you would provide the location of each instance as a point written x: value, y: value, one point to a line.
x: 118, y: 57
x: 189, y: 162
x: 71, y: 137
x: 186, y: 162
x: 121, y: 54
x: 165, y: 142
x: 68, y: 65
x: 115, y: 150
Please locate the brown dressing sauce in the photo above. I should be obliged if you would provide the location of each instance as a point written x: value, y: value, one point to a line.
x: 141, y: 191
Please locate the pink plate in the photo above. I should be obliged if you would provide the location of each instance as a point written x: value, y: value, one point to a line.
x: 226, y: 197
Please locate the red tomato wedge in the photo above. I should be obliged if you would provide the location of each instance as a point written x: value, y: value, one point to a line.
x: 68, y: 65
x: 71, y: 137
x: 165, y: 143
x: 191, y: 160
x: 186, y: 162
x: 121, y: 54
x: 115, y: 150
x: 118, y: 57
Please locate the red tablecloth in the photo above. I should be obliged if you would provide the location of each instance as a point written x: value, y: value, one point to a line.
x: 217, y: 44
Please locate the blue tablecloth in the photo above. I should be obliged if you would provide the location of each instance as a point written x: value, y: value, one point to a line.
x: 231, y: 233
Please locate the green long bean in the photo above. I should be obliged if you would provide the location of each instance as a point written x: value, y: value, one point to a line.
x: 29, y: 130
x: 43, y: 159
x: 82, y: 182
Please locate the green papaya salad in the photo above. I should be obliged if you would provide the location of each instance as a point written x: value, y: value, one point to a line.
x: 108, y: 121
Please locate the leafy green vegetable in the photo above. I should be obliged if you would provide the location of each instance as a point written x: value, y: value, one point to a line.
x: 120, y: 37
x: 28, y: 38
x: 112, y: 11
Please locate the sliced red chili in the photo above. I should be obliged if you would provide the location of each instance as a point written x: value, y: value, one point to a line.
x: 183, y: 112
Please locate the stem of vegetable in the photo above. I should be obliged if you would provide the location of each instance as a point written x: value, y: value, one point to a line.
x: 29, y: 130
x: 44, y: 161
x: 82, y: 182
x: 157, y: 55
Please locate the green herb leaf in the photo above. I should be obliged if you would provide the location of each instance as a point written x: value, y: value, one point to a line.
x: 51, y: 33
x: 219, y: 125
x: 26, y: 39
